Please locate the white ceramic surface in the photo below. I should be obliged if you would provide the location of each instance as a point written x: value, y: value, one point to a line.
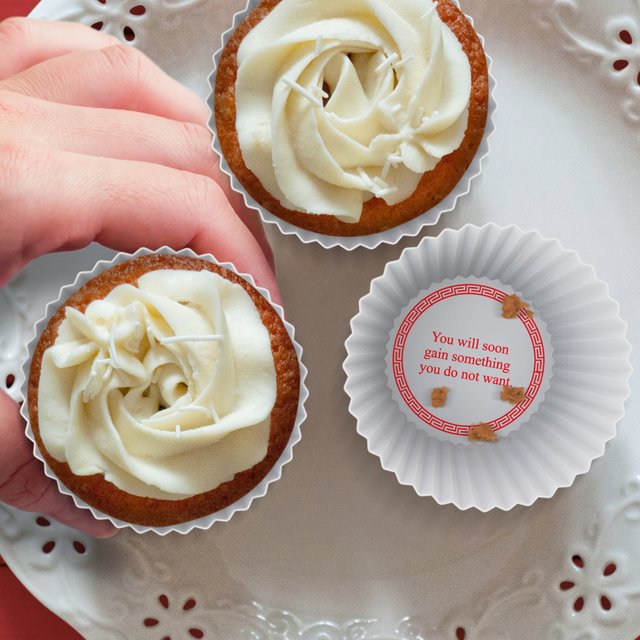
x: 579, y: 391
x: 223, y: 515
x: 338, y: 549
x: 390, y: 236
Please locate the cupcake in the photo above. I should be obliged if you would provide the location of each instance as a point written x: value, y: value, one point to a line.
x: 163, y: 390
x: 348, y: 119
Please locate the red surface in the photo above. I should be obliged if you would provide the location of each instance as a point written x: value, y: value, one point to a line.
x: 22, y: 617
x: 15, y: 7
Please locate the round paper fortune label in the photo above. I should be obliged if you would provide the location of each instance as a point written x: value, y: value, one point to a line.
x: 469, y: 353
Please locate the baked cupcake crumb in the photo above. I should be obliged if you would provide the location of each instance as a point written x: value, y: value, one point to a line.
x: 512, y: 305
x: 513, y: 395
x: 482, y: 433
x: 439, y: 396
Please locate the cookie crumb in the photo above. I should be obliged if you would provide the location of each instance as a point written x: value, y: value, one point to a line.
x: 513, y: 395
x: 511, y: 306
x: 482, y: 433
x: 439, y: 396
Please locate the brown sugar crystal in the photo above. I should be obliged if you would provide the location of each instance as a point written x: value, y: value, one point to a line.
x: 482, y: 433
x: 439, y: 396
x: 511, y: 306
x: 513, y: 395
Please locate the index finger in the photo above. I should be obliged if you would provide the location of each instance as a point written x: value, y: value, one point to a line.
x: 61, y: 200
x: 115, y: 77
x: 25, y: 42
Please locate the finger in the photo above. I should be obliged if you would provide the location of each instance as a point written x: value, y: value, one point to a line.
x: 24, y: 485
x: 250, y: 218
x: 25, y: 42
x: 128, y: 81
x: 108, y: 133
x: 126, y: 135
x: 118, y: 77
x: 59, y: 200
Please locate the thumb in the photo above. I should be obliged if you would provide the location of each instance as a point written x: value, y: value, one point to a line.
x: 24, y: 485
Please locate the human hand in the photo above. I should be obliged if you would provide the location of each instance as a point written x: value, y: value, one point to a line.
x: 98, y: 144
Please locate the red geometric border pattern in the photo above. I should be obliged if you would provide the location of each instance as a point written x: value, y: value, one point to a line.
x: 398, y: 358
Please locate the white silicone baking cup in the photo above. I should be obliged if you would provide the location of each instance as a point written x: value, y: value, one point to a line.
x: 579, y: 412
x: 245, y: 501
x: 371, y: 241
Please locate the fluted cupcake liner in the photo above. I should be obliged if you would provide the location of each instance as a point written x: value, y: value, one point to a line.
x: 575, y: 372
x: 243, y: 503
x: 371, y: 241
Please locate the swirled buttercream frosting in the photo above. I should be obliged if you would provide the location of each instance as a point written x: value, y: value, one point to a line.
x: 166, y: 387
x: 340, y: 101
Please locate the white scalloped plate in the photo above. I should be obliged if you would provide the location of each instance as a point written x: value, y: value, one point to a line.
x: 338, y: 549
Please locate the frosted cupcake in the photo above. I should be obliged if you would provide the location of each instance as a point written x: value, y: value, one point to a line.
x: 348, y: 119
x: 163, y: 390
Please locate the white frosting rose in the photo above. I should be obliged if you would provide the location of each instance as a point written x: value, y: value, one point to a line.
x: 341, y: 100
x: 165, y: 388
